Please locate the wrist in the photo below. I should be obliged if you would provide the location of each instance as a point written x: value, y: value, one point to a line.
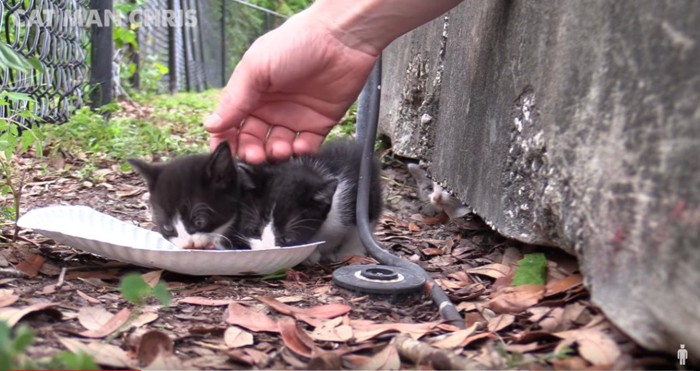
x: 371, y: 25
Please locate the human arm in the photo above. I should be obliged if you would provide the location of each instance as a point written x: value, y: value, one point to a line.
x: 295, y: 82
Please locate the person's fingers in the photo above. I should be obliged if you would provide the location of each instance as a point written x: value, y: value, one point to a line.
x: 251, y: 140
x: 238, y: 99
x: 299, y: 113
x: 279, y: 143
x: 230, y: 135
x: 307, y: 143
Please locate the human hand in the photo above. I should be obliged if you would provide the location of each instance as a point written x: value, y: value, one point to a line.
x: 289, y: 89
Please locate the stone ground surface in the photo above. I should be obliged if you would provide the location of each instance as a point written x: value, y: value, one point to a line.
x: 71, y: 298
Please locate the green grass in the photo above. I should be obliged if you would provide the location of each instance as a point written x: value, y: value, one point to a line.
x: 157, y: 127
x: 166, y: 126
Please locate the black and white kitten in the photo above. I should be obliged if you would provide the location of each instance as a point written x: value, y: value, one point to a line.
x: 439, y: 199
x: 198, y: 201
x: 312, y: 198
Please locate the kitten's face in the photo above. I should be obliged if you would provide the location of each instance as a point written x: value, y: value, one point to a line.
x: 197, y: 200
x: 435, y: 194
x: 299, y: 202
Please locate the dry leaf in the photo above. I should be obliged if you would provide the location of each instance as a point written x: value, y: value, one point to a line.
x: 333, y: 330
x: 235, y: 337
x: 516, y: 299
x: 103, y: 354
x: 250, y: 319
x: 151, y: 345
x: 500, y: 322
x: 152, y: 278
x: 570, y: 363
x: 365, y: 330
x: 413, y: 227
x: 449, y: 284
x: 468, y: 306
x: 7, y: 300
x: 432, y: 251
x: 290, y: 299
x: 49, y: 269
x: 13, y: 315
x: 165, y: 361
x: 574, y: 312
x: 114, y: 323
x: 455, y: 339
x: 143, y: 319
x: 88, y: 298
x: 31, y: 265
x: 474, y: 338
x: 564, y: 284
x: 326, y: 361
x: 494, y: 270
x: 93, y: 318
x: 295, y: 339
x: 386, y: 359
x: 522, y: 348
x: 326, y: 311
x: 510, y: 256
x: 249, y: 356
x: 198, y: 300
x: 322, y: 290
x: 594, y: 345
x: 554, y: 321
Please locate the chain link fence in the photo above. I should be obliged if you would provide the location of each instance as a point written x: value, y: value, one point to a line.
x: 202, y: 55
x: 198, y: 51
x: 45, y: 30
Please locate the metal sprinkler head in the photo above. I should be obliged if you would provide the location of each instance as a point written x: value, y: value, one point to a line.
x: 378, y: 279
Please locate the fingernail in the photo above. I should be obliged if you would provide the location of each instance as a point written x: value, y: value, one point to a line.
x: 253, y: 156
x: 213, y: 121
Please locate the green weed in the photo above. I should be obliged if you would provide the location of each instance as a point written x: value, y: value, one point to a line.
x: 13, y: 346
x: 532, y: 270
x: 136, y: 291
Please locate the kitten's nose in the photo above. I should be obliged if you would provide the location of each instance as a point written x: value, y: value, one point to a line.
x: 436, y: 198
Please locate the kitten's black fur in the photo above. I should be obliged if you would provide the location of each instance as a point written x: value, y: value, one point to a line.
x: 319, y: 192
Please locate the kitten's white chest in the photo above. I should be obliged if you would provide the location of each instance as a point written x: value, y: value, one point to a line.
x: 267, y: 238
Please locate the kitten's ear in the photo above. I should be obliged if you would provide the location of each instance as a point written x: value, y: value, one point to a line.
x: 149, y: 172
x: 418, y: 173
x: 220, y: 168
x: 326, y: 192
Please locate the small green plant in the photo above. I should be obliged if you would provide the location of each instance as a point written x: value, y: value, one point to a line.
x: 15, y: 140
x: 11, y: 59
x: 136, y: 291
x: 347, y: 126
x: 532, y: 270
x: 14, y: 345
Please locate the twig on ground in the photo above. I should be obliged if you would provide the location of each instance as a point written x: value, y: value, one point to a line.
x: 441, y: 359
x: 12, y: 272
x: 61, y: 277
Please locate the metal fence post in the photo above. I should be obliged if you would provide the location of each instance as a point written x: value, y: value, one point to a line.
x: 101, y: 52
x: 172, y: 51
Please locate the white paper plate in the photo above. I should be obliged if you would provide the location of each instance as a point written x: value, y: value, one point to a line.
x: 87, y: 229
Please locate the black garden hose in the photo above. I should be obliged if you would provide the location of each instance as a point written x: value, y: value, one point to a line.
x: 367, y: 125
